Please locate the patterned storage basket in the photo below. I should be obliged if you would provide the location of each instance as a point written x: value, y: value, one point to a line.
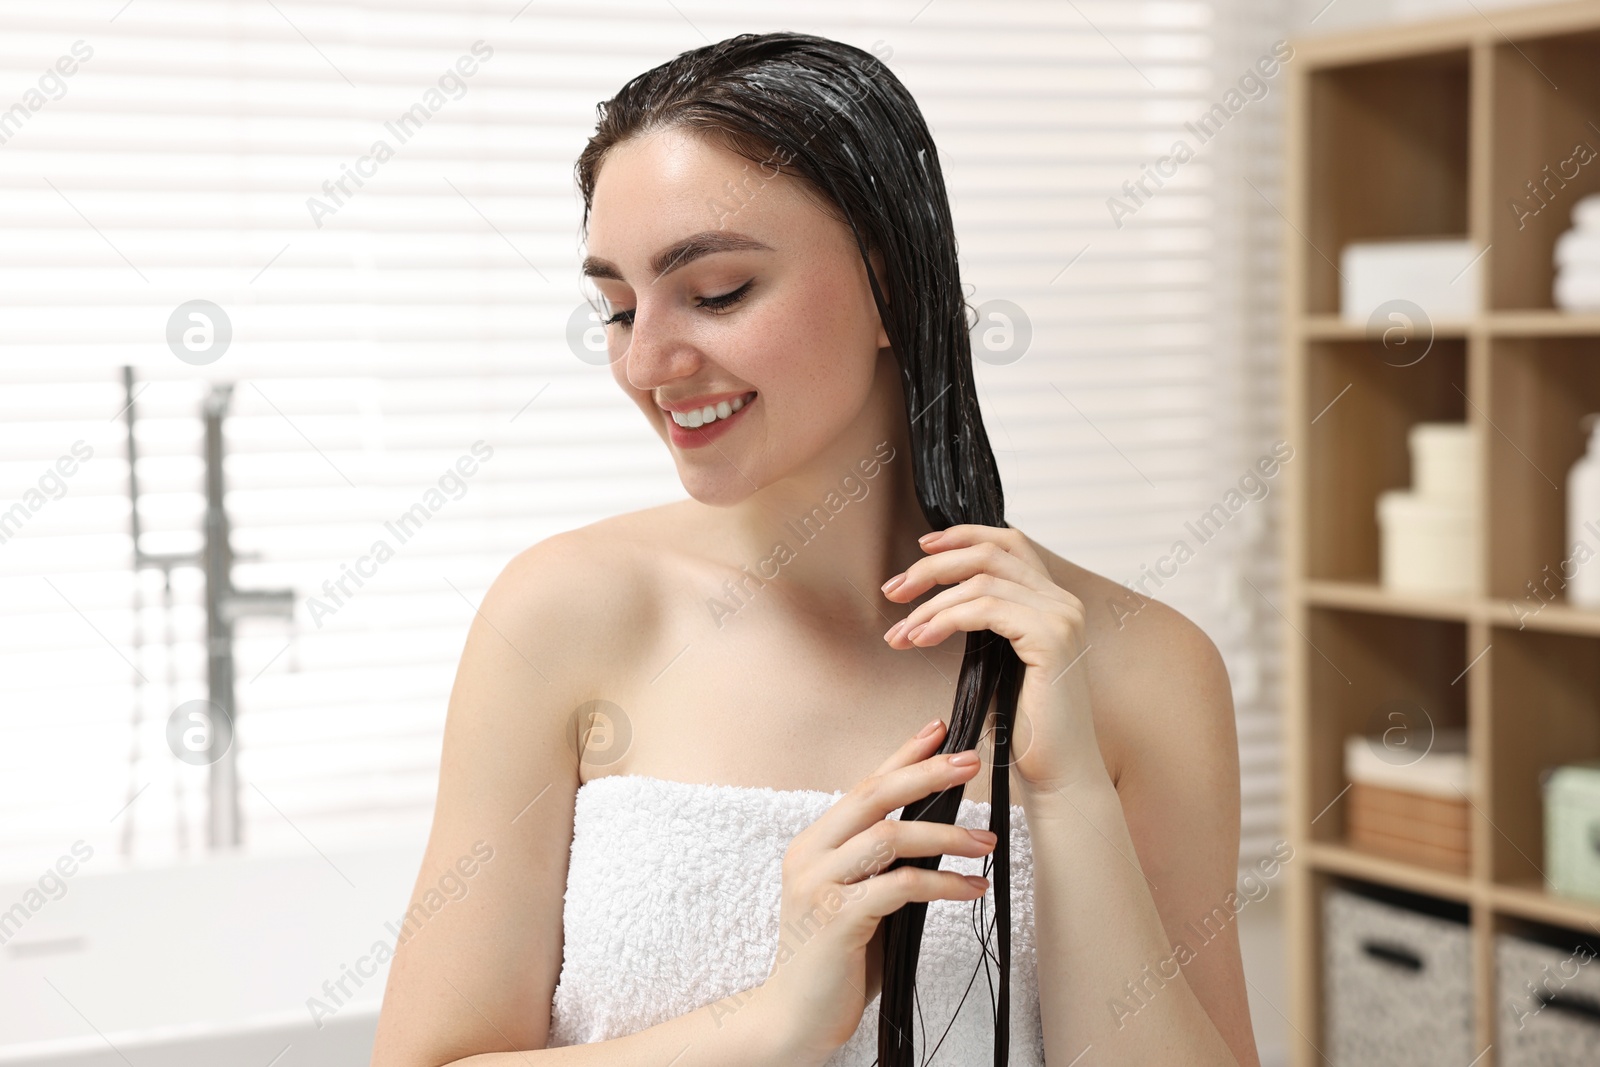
x: 1549, y: 1002
x: 1397, y: 982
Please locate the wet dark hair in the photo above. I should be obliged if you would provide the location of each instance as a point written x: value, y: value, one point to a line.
x: 833, y: 116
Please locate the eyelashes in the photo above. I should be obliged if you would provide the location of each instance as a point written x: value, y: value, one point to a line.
x: 716, y: 305
x: 726, y: 300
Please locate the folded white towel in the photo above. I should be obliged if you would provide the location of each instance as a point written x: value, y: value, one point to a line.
x: 1586, y: 213
x: 672, y: 902
x: 1578, y: 289
x: 1579, y: 248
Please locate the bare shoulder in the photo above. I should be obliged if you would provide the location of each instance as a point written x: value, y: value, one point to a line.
x: 544, y: 640
x: 591, y: 593
x: 1157, y: 681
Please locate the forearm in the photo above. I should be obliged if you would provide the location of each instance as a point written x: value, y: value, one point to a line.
x: 736, y: 1031
x: 1100, y: 942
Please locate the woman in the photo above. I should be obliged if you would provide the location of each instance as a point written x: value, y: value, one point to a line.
x: 671, y: 727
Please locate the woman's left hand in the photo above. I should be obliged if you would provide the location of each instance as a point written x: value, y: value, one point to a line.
x: 1002, y: 585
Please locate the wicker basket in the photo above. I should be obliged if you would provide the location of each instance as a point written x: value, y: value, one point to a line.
x: 1415, y: 809
x: 1430, y: 830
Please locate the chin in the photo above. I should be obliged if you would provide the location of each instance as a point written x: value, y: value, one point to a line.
x: 715, y: 490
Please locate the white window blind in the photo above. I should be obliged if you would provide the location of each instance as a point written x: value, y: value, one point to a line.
x: 392, y: 310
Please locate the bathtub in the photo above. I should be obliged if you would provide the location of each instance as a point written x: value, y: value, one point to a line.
x: 208, y: 963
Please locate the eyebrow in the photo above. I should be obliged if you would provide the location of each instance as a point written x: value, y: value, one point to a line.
x: 679, y: 253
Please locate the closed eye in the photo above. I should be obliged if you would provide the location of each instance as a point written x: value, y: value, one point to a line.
x: 726, y: 300
x: 714, y: 304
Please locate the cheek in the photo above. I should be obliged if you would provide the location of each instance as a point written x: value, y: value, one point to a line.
x: 813, y: 359
x: 821, y: 341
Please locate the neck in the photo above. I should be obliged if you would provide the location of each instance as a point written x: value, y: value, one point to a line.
x: 825, y: 537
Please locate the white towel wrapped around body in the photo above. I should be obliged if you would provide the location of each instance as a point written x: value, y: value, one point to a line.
x: 672, y: 902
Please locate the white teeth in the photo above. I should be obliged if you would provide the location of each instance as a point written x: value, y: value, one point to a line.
x: 709, y: 413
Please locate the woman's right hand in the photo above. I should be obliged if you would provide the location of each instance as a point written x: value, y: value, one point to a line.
x: 829, y: 962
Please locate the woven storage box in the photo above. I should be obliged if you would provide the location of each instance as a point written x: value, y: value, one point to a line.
x: 1415, y: 811
x: 1397, y: 982
x: 1572, y: 830
x: 1549, y: 1002
x: 1432, y: 831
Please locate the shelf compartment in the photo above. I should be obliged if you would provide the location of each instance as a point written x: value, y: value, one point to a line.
x: 1360, y: 408
x: 1387, y: 158
x: 1369, y: 673
x: 1544, y: 119
x: 1544, y: 690
x: 1539, y: 389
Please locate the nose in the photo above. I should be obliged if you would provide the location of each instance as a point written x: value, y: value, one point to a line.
x: 657, y: 350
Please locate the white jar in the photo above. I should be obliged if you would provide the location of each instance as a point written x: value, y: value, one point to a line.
x: 1444, y: 460
x: 1426, y: 545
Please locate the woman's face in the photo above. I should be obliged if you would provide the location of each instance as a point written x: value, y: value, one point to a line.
x: 723, y: 282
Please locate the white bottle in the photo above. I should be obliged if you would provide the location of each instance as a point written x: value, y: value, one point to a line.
x: 1583, y: 519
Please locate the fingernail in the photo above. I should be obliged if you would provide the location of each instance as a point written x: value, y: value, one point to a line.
x: 964, y: 759
x: 889, y: 634
x: 986, y: 836
x: 928, y: 538
x: 912, y: 636
x: 893, y: 583
x: 976, y: 882
x: 927, y: 731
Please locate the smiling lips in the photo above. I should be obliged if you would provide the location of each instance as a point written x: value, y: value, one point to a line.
x: 701, y: 425
x: 694, y: 418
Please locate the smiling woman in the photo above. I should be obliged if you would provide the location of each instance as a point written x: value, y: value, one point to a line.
x: 765, y: 861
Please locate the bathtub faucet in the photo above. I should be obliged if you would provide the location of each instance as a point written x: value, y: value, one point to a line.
x: 225, y: 604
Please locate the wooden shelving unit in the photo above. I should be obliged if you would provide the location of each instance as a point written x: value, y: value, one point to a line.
x: 1431, y: 130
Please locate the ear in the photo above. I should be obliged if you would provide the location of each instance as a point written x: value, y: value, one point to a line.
x: 875, y: 257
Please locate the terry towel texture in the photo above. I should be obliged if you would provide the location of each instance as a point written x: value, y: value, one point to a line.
x: 672, y: 902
